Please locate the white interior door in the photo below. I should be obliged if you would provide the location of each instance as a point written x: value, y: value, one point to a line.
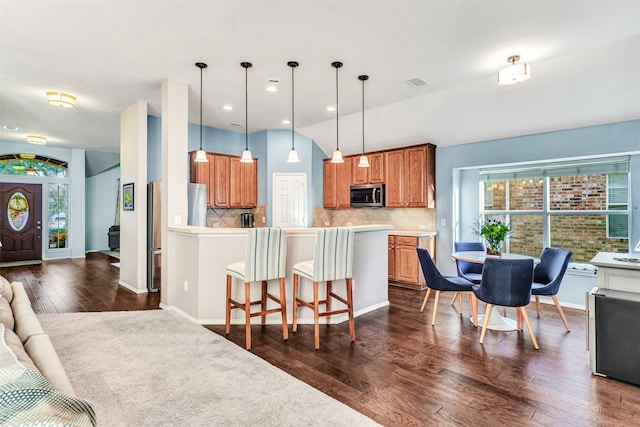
x: 289, y: 200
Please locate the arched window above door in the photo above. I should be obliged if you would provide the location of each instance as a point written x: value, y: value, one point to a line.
x: 32, y: 164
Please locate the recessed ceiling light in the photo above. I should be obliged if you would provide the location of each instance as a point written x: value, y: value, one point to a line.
x: 36, y: 139
x: 227, y: 107
x: 61, y: 99
x: 331, y: 108
x: 286, y: 122
x: 9, y: 127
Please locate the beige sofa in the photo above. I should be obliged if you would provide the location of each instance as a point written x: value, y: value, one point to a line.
x: 25, y: 337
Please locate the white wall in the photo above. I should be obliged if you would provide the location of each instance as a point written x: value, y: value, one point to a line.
x: 101, y: 200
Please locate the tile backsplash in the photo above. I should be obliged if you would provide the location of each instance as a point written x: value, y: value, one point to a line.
x: 230, y: 218
x: 401, y: 219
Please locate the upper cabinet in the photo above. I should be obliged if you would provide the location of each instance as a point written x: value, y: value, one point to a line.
x: 230, y: 183
x: 337, y: 181
x: 408, y: 174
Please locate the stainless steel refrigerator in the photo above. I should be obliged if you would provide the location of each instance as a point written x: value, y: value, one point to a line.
x: 154, y: 236
x: 197, y: 198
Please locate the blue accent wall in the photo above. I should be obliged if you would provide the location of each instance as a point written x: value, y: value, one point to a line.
x: 607, y: 139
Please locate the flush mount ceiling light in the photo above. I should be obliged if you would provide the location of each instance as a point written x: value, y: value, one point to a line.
x: 246, y: 154
x: 293, y: 154
x: 337, y: 155
x: 364, y: 160
x: 36, y: 139
x: 60, y: 99
x: 201, y: 156
x: 514, y: 73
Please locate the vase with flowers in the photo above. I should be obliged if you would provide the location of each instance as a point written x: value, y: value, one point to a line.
x: 495, y: 231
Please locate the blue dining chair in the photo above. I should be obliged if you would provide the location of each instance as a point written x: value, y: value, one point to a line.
x: 469, y: 270
x: 547, y: 277
x: 438, y: 282
x: 506, y: 283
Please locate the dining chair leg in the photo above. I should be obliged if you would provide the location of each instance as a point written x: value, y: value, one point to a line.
x: 294, y: 325
x: 352, y: 326
x: 435, y: 308
x: 426, y: 297
x: 460, y: 301
x: 316, y: 317
x: 247, y: 313
x: 538, y: 305
x: 518, y: 320
x: 263, y: 301
x: 227, y: 322
x: 455, y: 297
x: 559, y: 308
x: 474, y: 309
x: 487, y: 312
x: 283, y: 309
x: 526, y: 320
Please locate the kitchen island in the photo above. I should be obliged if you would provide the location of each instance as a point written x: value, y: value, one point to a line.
x: 196, y: 278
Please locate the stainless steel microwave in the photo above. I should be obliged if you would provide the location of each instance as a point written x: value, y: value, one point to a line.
x: 367, y: 196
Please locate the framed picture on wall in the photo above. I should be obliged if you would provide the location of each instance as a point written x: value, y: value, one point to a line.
x: 127, y: 197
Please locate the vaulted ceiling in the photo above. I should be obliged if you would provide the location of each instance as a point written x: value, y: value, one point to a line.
x: 585, y: 60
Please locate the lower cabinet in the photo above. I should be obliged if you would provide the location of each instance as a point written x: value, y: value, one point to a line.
x: 404, y: 267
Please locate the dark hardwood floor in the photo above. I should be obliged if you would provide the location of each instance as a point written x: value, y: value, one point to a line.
x: 400, y: 371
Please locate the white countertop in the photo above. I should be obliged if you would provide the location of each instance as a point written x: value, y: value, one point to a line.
x: 616, y: 260
x: 413, y: 233
x: 190, y: 229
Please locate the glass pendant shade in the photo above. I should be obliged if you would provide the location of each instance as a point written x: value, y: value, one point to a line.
x: 364, y: 162
x: 514, y: 73
x: 337, y: 157
x: 201, y: 157
x: 246, y: 157
x: 293, y: 156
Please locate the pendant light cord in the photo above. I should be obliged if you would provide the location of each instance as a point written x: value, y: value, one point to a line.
x: 293, y: 110
x: 246, y: 110
x: 201, y: 108
x: 337, y: 132
x: 363, y: 116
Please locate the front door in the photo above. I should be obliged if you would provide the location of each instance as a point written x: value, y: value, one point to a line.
x: 21, y: 222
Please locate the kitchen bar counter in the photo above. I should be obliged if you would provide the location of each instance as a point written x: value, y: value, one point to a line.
x: 197, y: 258
x: 619, y: 272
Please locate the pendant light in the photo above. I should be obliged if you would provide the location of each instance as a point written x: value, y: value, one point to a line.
x: 246, y: 154
x: 514, y: 73
x: 364, y: 160
x: 337, y: 155
x: 201, y: 156
x: 293, y: 154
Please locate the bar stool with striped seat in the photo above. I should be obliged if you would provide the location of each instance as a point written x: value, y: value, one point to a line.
x: 265, y: 259
x: 333, y: 260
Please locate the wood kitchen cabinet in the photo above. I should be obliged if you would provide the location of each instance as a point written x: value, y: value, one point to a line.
x: 337, y: 183
x: 410, y: 177
x: 230, y: 183
x: 404, y: 266
x: 243, y: 183
x: 374, y: 174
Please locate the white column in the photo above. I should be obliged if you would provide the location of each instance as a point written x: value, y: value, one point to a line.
x: 175, y: 123
x: 133, y: 223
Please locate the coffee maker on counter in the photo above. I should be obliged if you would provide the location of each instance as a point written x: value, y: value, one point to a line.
x: 246, y: 220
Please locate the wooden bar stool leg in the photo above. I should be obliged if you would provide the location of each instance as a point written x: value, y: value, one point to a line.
x: 227, y: 322
x: 294, y: 325
x: 352, y: 327
x: 316, y: 317
x: 247, y: 313
x: 263, y: 305
x: 424, y: 302
x: 328, y: 300
x: 283, y: 309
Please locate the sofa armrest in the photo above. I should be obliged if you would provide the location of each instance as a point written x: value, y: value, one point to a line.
x: 41, y: 351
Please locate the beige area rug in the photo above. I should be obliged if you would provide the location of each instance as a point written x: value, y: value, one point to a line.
x: 156, y: 368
